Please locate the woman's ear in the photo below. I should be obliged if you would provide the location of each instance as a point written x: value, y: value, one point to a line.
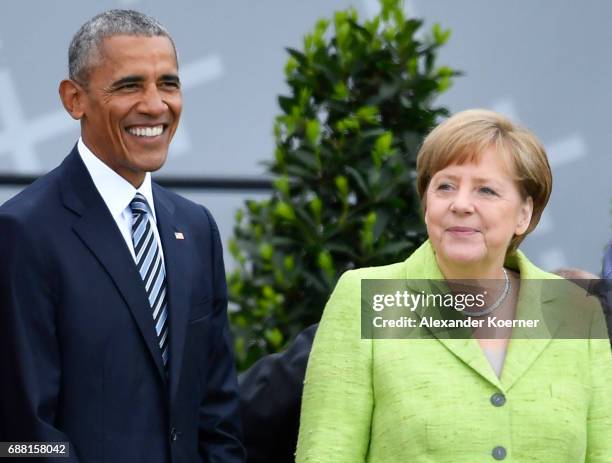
x: 72, y: 96
x: 524, y: 218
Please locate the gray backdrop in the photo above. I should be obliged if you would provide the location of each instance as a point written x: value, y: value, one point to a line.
x: 546, y: 64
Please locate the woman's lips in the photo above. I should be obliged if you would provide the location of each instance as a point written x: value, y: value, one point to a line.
x: 462, y: 231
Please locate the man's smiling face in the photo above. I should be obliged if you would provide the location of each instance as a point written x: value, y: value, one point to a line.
x: 132, y: 104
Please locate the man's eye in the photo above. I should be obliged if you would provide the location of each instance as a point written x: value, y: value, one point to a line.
x: 128, y: 87
x: 171, y: 84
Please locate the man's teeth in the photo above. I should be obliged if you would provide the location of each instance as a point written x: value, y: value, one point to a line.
x: 146, y: 131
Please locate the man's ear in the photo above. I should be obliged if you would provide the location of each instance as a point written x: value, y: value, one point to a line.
x: 72, y: 96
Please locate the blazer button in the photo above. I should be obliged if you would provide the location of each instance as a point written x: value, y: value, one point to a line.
x: 173, y: 434
x: 499, y: 453
x: 498, y: 399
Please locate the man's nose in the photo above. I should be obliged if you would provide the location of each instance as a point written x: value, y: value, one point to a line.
x: 152, y: 102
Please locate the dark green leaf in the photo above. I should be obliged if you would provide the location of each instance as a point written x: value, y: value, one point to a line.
x: 299, y: 56
x: 286, y: 103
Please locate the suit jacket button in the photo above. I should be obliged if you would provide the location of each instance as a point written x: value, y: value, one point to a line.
x: 173, y: 434
x: 498, y: 399
x: 499, y: 453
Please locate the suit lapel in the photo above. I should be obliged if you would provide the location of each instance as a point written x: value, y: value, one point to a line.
x: 99, y: 233
x: 177, y: 260
x: 459, y: 342
x: 467, y: 350
x: 556, y: 304
x: 424, y: 267
x: 536, y: 302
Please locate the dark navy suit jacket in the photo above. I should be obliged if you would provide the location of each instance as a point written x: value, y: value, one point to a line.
x: 270, y: 400
x: 606, y: 275
x: 79, y: 360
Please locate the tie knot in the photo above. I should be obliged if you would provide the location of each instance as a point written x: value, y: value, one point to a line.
x: 139, y: 204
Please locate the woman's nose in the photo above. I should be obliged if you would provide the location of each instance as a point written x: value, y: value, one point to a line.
x: 462, y: 202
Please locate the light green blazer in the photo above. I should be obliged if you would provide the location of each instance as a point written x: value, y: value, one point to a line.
x: 415, y: 400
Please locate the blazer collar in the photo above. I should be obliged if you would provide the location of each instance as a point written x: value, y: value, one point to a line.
x: 99, y: 233
x: 177, y: 259
x: 116, y: 191
x: 525, y: 346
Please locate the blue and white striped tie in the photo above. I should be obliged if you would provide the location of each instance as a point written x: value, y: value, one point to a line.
x: 151, y: 267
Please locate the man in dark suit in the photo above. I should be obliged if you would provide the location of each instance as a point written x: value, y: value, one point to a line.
x: 606, y: 288
x: 113, y: 326
x: 270, y: 399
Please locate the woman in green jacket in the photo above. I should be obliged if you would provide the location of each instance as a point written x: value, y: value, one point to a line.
x: 483, y: 183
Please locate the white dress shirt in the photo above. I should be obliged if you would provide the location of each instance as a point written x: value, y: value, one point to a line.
x: 117, y: 194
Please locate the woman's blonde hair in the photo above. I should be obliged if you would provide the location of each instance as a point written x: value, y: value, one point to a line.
x: 464, y: 137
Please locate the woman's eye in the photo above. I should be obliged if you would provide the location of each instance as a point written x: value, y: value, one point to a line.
x: 488, y: 191
x: 444, y: 186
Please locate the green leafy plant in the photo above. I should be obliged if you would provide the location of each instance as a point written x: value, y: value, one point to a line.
x: 360, y: 102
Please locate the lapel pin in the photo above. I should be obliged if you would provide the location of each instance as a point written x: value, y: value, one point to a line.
x: 179, y: 236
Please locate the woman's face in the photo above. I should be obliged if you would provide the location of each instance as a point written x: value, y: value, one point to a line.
x: 472, y: 213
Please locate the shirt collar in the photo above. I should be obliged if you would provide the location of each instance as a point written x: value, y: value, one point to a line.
x: 116, y: 191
